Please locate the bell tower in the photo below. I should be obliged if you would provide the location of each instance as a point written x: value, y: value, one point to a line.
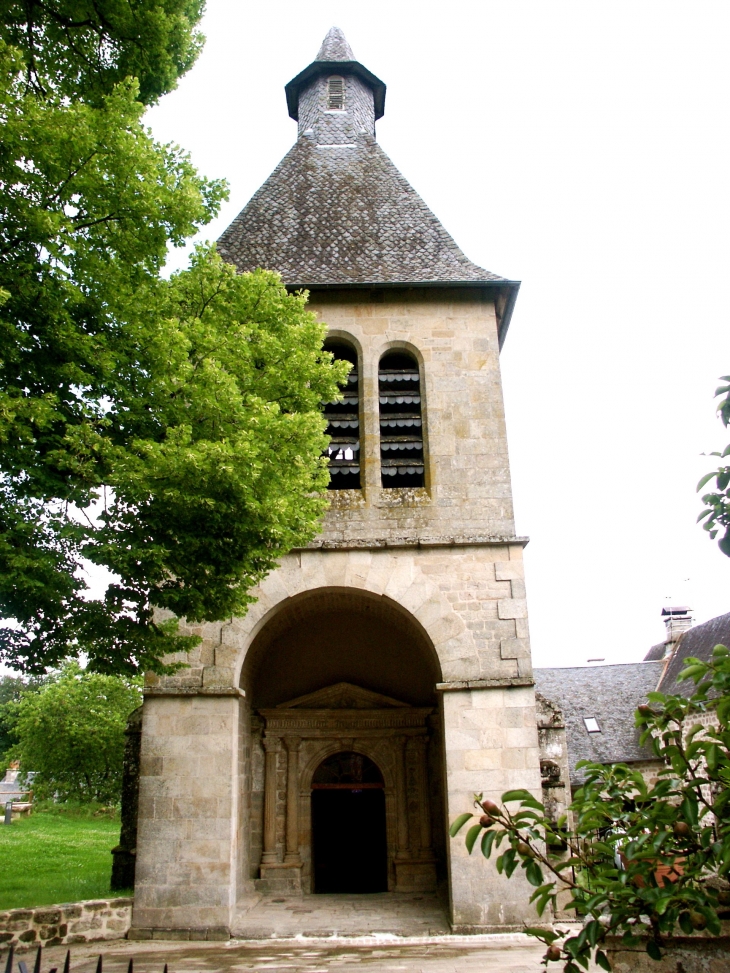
x: 397, y: 641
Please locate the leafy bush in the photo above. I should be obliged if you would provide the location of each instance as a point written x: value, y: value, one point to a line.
x: 70, y: 733
x: 638, y: 860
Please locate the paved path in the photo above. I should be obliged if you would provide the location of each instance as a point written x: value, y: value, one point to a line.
x: 513, y: 953
x: 395, y: 913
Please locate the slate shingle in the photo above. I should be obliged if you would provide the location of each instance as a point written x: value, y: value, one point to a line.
x: 697, y: 642
x: 609, y: 694
x: 342, y: 214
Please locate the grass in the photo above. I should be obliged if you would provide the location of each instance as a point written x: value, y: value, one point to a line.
x: 51, y: 857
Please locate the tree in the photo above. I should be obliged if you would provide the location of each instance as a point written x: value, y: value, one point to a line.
x: 81, y: 49
x: 166, y: 430
x: 11, y: 689
x: 638, y: 860
x: 70, y: 732
x: 716, y: 514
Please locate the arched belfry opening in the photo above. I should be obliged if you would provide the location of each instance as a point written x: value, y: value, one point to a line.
x: 345, y: 741
x: 343, y: 423
x: 401, y: 421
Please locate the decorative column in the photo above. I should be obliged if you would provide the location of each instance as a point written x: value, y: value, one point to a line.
x: 420, y: 746
x: 272, y: 745
x: 402, y: 798
x: 292, y: 800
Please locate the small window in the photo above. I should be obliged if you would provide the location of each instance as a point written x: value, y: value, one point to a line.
x: 591, y: 724
x: 336, y: 94
x: 343, y: 426
x: 401, y: 433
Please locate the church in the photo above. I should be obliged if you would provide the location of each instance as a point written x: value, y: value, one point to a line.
x: 321, y: 744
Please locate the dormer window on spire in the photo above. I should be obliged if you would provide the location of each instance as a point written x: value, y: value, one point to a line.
x: 335, y: 94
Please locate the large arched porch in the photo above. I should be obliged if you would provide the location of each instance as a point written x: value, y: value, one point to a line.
x: 338, y: 670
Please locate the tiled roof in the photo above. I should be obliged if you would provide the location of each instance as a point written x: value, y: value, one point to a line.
x: 608, y: 694
x: 697, y: 642
x: 656, y: 652
x: 343, y: 214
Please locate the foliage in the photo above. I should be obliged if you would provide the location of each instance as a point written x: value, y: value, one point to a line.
x: 71, y: 734
x: 716, y: 514
x: 79, y: 49
x: 11, y: 689
x: 166, y: 430
x: 638, y: 860
x: 51, y: 858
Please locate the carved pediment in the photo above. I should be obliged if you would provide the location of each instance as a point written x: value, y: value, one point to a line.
x: 343, y: 695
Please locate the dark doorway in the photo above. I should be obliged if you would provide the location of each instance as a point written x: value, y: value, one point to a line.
x: 348, y: 826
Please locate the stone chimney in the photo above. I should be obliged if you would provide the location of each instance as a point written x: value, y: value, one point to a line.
x: 678, y: 620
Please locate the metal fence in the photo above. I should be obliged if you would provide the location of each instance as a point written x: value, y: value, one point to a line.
x: 22, y: 966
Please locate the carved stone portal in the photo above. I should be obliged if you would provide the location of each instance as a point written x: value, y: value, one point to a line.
x: 299, y: 736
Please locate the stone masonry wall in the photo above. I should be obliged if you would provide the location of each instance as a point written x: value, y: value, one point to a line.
x: 453, y: 336
x: 75, y: 922
x: 446, y: 553
x: 699, y: 953
x: 187, y: 846
x: 445, y: 556
x: 491, y: 747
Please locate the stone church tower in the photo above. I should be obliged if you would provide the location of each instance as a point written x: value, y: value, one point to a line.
x: 322, y: 742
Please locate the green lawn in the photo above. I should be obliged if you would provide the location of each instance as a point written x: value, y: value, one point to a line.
x: 47, y: 859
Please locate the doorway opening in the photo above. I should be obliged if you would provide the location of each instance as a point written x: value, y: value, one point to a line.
x: 348, y: 825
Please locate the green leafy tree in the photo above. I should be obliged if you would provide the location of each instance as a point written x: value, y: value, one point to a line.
x: 70, y: 733
x: 166, y: 430
x: 638, y: 860
x: 81, y: 49
x: 716, y: 515
x: 11, y: 689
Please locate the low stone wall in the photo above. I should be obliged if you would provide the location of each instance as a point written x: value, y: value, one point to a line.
x: 687, y: 954
x: 75, y: 922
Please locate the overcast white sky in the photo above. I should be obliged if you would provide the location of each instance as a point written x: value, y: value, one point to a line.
x: 582, y: 148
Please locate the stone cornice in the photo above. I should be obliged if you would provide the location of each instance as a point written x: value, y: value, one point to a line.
x: 357, y: 544
x: 193, y: 691
x: 500, y: 682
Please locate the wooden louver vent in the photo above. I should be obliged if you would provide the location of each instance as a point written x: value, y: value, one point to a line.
x: 336, y: 94
x: 401, y: 432
x: 343, y: 427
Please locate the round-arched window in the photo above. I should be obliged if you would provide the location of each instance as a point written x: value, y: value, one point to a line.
x: 401, y: 432
x: 343, y: 425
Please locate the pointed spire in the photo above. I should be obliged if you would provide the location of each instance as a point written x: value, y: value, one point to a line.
x: 334, y: 51
x: 335, y: 47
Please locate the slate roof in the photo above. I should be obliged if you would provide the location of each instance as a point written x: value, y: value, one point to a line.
x: 335, y: 47
x: 344, y: 215
x: 609, y: 694
x: 656, y: 652
x: 697, y: 642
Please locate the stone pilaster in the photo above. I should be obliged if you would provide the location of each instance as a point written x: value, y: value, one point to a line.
x: 272, y: 748
x: 293, y: 745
